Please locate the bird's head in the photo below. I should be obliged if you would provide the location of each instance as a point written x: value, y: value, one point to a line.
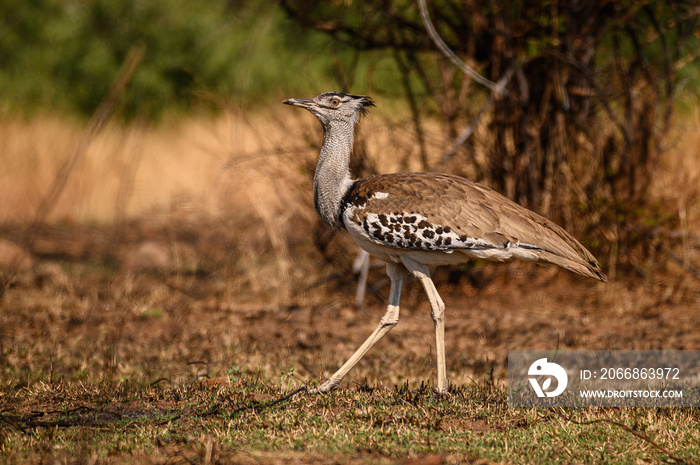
x: 334, y: 106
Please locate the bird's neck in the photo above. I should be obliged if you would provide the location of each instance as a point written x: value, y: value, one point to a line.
x: 332, y: 179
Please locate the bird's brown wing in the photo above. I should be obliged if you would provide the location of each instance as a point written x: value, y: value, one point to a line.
x: 426, y: 211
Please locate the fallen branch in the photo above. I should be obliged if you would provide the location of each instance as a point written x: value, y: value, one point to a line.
x: 255, y: 407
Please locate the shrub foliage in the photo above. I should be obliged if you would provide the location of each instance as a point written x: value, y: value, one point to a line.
x: 64, y: 54
x: 591, y: 91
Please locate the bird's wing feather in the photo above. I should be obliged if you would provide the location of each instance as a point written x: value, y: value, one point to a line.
x: 426, y: 211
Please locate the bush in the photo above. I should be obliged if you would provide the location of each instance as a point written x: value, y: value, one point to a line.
x: 592, y: 87
x: 64, y: 54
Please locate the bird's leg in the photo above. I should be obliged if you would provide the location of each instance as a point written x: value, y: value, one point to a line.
x: 437, y: 312
x: 361, y: 267
x: 398, y: 274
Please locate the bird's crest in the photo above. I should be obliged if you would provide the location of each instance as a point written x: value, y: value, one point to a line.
x: 366, y: 103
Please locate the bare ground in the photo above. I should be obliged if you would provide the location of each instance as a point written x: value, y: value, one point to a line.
x: 99, y: 304
x: 108, y: 325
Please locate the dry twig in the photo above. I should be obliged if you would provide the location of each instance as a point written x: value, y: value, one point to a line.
x: 430, y: 28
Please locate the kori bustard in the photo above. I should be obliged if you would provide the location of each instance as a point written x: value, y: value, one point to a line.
x: 413, y: 221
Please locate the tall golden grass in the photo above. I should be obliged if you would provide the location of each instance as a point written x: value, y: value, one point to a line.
x: 191, y: 164
x: 677, y: 179
x: 253, y: 167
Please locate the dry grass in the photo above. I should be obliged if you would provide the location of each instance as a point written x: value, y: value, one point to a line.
x: 105, y: 364
x: 189, y: 254
x: 190, y: 165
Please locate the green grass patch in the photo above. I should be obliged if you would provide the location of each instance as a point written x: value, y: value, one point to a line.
x: 243, y: 422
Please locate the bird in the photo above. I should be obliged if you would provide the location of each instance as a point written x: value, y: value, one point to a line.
x: 415, y: 221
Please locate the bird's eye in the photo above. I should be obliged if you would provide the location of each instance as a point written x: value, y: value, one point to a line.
x: 335, y: 101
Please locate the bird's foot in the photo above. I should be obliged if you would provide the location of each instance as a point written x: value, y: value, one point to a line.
x: 442, y: 394
x: 328, y: 386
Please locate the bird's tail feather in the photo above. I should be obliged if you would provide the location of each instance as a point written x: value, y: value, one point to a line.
x: 589, y: 269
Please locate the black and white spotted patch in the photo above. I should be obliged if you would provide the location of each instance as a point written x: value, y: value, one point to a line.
x: 416, y: 232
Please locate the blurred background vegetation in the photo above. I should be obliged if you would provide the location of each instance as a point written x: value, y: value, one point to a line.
x: 592, y: 86
x: 165, y: 226
x: 63, y: 54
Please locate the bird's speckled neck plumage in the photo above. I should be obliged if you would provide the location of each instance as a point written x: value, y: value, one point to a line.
x: 332, y: 179
x: 338, y: 114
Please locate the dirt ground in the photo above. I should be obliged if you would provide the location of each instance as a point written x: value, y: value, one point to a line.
x: 123, y: 343
x: 145, y: 302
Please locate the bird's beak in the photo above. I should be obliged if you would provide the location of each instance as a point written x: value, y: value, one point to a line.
x: 299, y: 102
